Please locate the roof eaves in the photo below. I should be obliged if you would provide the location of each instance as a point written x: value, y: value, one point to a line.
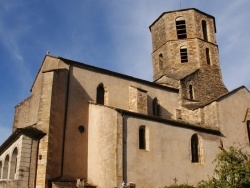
x: 27, y: 131
x: 172, y: 122
x: 116, y: 74
x: 223, y: 96
x: 41, y: 68
x: 184, y: 10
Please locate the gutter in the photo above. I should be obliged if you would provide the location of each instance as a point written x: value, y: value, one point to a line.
x: 124, y: 148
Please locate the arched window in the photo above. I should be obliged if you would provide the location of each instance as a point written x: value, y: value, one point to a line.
x: 13, y: 164
x: 195, y: 148
x: 142, y: 137
x: 100, y: 94
x: 208, y: 56
x: 204, y: 29
x: 6, y: 167
x: 156, y: 107
x: 181, y: 28
x: 191, y: 92
x: 1, y: 165
x: 184, y: 54
x: 160, y: 61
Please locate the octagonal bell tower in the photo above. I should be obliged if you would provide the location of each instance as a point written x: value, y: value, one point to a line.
x: 185, y: 54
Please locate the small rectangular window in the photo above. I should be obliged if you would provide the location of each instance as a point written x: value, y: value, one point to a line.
x: 142, y: 138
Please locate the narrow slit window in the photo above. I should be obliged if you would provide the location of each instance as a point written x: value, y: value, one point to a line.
x: 208, y: 56
x: 156, y: 107
x: 160, y: 61
x: 248, y: 130
x: 204, y: 30
x: 100, y: 94
x: 195, y: 148
x: 184, y: 54
x: 142, y: 137
x: 181, y: 28
x: 191, y: 92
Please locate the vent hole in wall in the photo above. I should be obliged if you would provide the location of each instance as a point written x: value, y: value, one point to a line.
x: 81, y: 129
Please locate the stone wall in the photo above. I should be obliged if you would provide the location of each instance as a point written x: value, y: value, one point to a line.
x: 167, y: 45
x: 164, y: 29
x: 138, y: 100
x: 206, y: 83
x: 21, y: 164
x: 169, y: 154
x: 43, y: 123
x: 207, y: 116
x: 104, y: 152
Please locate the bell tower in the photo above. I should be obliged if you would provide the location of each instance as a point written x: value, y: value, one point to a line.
x: 185, y: 55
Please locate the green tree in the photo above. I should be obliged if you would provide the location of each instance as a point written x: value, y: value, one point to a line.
x: 179, y: 186
x: 232, y: 170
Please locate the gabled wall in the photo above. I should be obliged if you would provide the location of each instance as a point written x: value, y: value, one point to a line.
x: 232, y: 111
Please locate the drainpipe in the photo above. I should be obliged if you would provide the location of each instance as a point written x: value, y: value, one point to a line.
x: 124, y: 148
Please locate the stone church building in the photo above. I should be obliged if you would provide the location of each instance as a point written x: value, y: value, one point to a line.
x: 107, y: 128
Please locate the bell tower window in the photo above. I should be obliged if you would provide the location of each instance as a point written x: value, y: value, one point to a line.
x: 204, y: 29
x: 181, y: 28
x: 184, y: 54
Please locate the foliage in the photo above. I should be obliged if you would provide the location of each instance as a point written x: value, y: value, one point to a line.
x: 232, y: 170
x: 179, y: 186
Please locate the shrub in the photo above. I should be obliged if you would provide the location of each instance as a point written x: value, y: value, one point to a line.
x: 179, y: 186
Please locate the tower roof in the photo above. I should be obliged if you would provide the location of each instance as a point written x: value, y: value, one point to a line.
x: 181, y: 11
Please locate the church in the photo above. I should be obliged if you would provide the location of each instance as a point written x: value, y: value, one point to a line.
x: 107, y: 129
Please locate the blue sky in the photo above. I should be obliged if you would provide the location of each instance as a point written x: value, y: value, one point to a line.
x: 112, y: 34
